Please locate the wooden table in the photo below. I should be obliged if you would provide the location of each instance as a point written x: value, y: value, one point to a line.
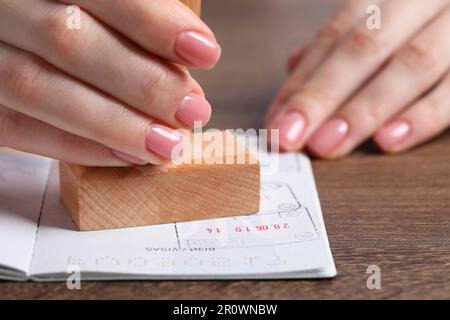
x: 390, y: 211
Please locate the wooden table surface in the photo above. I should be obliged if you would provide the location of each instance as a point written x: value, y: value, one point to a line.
x: 390, y: 211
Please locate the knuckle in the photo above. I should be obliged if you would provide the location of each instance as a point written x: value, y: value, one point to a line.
x: 316, y: 97
x: 24, y: 78
x: 156, y: 77
x: 330, y: 33
x: 63, y: 41
x: 418, y: 56
x: 315, y: 103
x: 361, y: 40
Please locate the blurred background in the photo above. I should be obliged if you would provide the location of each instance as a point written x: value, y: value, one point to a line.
x: 256, y: 38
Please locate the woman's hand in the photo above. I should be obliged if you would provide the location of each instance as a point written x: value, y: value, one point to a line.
x: 353, y: 83
x: 109, y: 93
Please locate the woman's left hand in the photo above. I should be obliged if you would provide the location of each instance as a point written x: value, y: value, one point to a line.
x: 353, y: 83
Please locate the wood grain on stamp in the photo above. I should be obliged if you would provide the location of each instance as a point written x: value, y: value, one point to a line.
x: 107, y: 198
x: 195, y: 5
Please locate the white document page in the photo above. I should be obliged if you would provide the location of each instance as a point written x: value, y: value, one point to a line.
x: 286, y: 239
x: 23, y: 180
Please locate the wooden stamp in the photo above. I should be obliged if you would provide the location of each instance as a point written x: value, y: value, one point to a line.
x: 195, y: 5
x: 225, y: 183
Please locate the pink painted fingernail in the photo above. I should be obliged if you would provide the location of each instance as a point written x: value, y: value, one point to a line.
x: 165, y: 141
x: 392, y: 134
x: 292, y: 126
x: 194, y: 108
x: 328, y: 137
x: 198, y: 49
x: 128, y: 158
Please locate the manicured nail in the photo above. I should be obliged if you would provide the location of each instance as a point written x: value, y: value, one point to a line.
x: 392, y: 134
x: 292, y: 126
x: 328, y: 137
x: 165, y: 141
x: 198, y: 49
x: 194, y: 108
x: 128, y: 158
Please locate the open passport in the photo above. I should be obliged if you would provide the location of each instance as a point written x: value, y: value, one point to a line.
x: 39, y: 241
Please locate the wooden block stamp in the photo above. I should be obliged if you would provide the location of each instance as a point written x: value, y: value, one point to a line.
x: 195, y: 5
x: 224, y: 184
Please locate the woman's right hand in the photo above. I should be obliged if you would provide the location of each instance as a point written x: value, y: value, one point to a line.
x: 110, y: 93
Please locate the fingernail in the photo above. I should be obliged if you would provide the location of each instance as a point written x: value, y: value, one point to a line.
x: 392, y: 134
x: 292, y: 126
x: 328, y: 137
x: 128, y: 158
x: 194, y: 108
x: 164, y: 141
x: 197, y: 49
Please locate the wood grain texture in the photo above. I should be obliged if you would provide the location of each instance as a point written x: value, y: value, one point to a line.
x: 393, y: 211
x: 221, y: 184
x: 195, y: 5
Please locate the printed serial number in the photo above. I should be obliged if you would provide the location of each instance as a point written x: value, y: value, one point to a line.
x: 259, y: 228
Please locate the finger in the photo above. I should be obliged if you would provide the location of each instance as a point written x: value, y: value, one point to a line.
x: 425, y: 119
x: 411, y: 72
x: 334, y: 31
x: 164, y: 27
x: 295, y: 58
x: 105, y: 60
x: 360, y: 55
x: 293, y: 61
x: 23, y: 133
x: 33, y: 87
x: 346, y: 17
